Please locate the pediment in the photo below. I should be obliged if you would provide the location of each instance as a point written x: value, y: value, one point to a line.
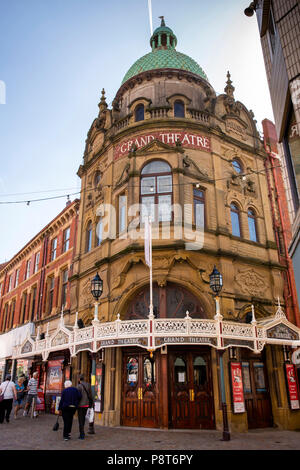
x: 283, y: 331
x: 155, y: 146
x: 27, y: 346
x: 60, y: 337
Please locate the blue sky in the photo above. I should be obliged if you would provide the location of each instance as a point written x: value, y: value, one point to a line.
x: 55, y: 58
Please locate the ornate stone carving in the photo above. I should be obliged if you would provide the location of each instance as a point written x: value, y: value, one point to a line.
x: 26, y: 348
x: 251, y: 282
x: 60, y: 338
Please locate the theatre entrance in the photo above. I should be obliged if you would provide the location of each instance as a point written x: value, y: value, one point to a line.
x: 191, y: 394
x: 140, y: 389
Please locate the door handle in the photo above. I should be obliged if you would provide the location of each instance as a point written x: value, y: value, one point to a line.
x: 192, y: 394
x: 140, y: 395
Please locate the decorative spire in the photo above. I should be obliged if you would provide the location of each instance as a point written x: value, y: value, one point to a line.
x: 279, y: 312
x: 102, y: 105
x: 229, y: 89
x: 162, y: 21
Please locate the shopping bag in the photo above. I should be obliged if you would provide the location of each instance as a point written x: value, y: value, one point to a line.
x: 56, y: 425
x: 90, y: 415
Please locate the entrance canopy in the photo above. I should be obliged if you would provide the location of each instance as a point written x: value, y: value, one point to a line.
x: 153, y: 333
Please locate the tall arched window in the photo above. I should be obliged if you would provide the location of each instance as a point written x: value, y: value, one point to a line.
x: 88, y: 239
x: 139, y: 113
x: 252, y: 225
x: 179, y: 109
x: 235, y: 220
x: 99, y: 230
x: 156, y: 191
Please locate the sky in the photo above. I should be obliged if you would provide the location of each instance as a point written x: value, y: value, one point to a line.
x: 55, y: 58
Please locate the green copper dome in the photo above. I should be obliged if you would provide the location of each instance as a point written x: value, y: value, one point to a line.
x: 164, y: 56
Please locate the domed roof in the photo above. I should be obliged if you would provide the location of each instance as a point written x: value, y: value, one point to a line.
x: 164, y: 56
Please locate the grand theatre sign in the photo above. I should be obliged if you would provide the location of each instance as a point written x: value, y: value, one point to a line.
x: 186, y: 139
x: 153, y: 333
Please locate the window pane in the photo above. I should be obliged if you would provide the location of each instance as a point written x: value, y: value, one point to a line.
x: 200, y: 377
x: 180, y: 370
x: 148, y: 208
x: 237, y: 166
x: 164, y: 184
x: 148, y: 185
x: 164, y: 208
x: 139, y: 112
x: 132, y: 371
x: 122, y: 213
x: 149, y: 372
x: 199, y: 213
x: 179, y: 109
x: 246, y: 377
x: 235, y: 223
x: 259, y: 377
x: 99, y: 229
x: 157, y: 166
x: 252, y: 229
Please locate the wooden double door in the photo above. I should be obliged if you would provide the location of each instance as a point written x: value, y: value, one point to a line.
x: 191, y: 394
x: 182, y: 391
x: 256, y: 391
x: 140, y: 389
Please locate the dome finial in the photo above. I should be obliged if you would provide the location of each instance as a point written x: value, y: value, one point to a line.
x: 229, y: 89
x: 162, y: 21
x: 102, y: 105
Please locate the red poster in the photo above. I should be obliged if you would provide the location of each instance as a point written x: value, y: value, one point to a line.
x: 40, y: 406
x: 292, y: 386
x: 237, y: 387
x: 54, y: 376
x: 169, y: 137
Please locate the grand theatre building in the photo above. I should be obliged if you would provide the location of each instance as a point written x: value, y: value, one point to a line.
x: 173, y: 149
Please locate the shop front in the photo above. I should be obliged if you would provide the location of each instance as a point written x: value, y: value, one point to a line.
x: 166, y: 372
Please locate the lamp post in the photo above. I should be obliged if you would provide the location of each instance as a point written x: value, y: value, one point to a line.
x: 216, y: 284
x: 96, y: 290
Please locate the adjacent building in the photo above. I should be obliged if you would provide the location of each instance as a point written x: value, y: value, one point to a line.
x: 279, y: 29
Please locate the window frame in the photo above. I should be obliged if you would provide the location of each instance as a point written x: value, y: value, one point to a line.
x: 37, y: 261
x: 88, y: 237
x: 17, y: 277
x: 237, y: 211
x: 136, y: 110
x: 66, y: 240
x: 53, y: 249
x: 64, y: 286
x: 254, y: 218
x: 156, y: 194
x: 27, y: 272
x: 201, y: 200
x: 181, y: 102
x: 50, y: 294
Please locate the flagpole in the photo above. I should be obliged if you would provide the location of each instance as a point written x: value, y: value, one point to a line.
x: 151, y: 283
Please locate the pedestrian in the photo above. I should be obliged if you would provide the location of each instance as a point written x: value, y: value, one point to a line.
x: 85, y: 403
x: 32, y: 393
x: 20, y: 395
x: 9, y: 391
x: 68, y: 404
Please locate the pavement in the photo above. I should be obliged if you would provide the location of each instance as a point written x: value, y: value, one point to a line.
x: 26, y: 433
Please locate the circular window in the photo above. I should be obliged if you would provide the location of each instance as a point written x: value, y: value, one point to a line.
x: 237, y: 166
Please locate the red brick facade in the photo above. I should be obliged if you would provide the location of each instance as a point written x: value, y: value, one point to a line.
x: 25, y: 281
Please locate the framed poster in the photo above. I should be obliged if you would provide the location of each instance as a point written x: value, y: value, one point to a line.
x: 99, y: 387
x: 40, y: 406
x: 237, y: 387
x: 54, y: 382
x: 292, y: 386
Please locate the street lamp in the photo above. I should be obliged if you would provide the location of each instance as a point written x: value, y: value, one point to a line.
x: 216, y: 284
x: 96, y: 290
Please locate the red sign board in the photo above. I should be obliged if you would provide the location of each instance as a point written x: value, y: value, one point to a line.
x: 292, y: 386
x: 237, y: 387
x: 40, y: 406
x: 187, y: 139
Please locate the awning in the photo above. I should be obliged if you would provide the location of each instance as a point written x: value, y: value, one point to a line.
x: 153, y: 333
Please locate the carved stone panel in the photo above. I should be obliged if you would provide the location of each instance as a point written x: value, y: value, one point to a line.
x: 250, y: 282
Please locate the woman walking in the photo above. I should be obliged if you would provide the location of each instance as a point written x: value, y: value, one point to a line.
x: 8, y: 389
x: 68, y: 404
x: 20, y: 395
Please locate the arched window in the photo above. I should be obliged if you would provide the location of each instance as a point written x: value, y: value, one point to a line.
x: 252, y: 225
x: 139, y: 113
x: 237, y: 166
x: 235, y: 220
x: 89, y: 231
x: 179, y: 109
x: 97, y: 178
x: 156, y: 191
x: 99, y: 230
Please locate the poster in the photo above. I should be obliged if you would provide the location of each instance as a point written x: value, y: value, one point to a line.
x: 54, y: 377
x: 237, y: 387
x: 292, y: 386
x: 40, y: 406
x: 99, y: 386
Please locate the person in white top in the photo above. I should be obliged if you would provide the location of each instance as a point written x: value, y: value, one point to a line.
x: 8, y: 389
